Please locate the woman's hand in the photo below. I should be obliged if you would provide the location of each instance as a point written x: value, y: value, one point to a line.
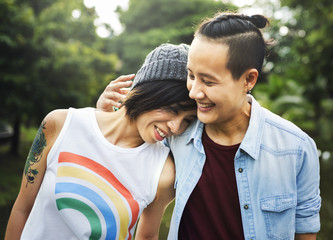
x: 114, y: 93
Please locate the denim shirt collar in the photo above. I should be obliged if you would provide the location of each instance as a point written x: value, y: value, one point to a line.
x: 253, y: 133
x: 195, y: 135
x: 253, y: 136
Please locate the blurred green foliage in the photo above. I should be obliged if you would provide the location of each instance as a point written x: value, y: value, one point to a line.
x: 300, y: 86
x: 49, y: 59
x: 149, y: 23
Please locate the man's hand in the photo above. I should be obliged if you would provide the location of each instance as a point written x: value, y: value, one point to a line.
x: 306, y: 236
x: 114, y: 93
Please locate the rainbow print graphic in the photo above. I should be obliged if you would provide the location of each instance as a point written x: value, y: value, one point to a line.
x: 92, y: 200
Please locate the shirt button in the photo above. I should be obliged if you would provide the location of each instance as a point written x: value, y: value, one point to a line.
x: 246, y: 206
x: 240, y: 170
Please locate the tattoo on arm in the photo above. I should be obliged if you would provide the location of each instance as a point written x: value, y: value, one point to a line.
x: 35, y: 155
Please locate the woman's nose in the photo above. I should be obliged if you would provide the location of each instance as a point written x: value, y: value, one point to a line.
x: 175, y: 125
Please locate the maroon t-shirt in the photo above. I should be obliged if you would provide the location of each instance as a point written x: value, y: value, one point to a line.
x: 213, y: 211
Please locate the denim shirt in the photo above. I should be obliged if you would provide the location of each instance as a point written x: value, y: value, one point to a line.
x: 277, y: 175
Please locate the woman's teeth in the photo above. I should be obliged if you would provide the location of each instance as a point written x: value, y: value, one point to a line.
x: 160, y: 132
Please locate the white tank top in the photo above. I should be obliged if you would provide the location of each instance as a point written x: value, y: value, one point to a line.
x: 93, y: 189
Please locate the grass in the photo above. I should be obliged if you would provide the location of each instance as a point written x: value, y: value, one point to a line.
x: 11, y: 172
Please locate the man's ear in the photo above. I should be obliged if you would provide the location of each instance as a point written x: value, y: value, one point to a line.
x: 251, y: 78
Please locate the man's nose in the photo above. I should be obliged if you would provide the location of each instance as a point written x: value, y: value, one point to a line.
x: 195, y: 90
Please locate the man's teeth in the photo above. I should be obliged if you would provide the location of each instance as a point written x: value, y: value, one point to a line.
x: 160, y: 132
x: 205, y: 105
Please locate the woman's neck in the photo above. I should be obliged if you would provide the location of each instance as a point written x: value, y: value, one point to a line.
x: 118, y: 129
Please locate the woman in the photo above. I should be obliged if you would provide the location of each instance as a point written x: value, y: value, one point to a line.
x: 242, y: 172
x: 92, y: 174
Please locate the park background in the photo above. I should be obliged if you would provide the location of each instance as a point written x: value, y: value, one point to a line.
x: 60, y: 54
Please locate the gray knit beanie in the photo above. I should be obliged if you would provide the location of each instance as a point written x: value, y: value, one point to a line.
x: 166, y: 62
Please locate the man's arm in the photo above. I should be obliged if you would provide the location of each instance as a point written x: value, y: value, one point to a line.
x: 306, y: 236
x: 114, y: 93
x: 308, y: 193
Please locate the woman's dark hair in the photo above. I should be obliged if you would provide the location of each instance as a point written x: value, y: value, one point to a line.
x: 241, y: 33
x: 171, y: 95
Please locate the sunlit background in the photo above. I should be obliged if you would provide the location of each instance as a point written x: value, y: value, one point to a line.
x: 106, y: 11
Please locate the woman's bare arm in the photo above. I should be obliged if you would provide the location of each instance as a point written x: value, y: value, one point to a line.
x: 150, y: 220
x: 33, y: 172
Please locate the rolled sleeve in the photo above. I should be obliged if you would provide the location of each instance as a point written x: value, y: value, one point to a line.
x: 308, y: 193
x: 311, y: 223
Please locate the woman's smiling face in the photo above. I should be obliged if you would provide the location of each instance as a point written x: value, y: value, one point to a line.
x: 158, y: 124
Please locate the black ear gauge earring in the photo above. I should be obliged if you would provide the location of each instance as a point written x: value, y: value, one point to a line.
x: 249, y: 91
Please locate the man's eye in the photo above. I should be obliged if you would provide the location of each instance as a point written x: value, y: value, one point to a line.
x: 207, y: 82
x: 191, y: 76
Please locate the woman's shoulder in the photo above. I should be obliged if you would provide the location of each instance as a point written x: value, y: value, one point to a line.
x: 56, y: 119
x: 53, y: 122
